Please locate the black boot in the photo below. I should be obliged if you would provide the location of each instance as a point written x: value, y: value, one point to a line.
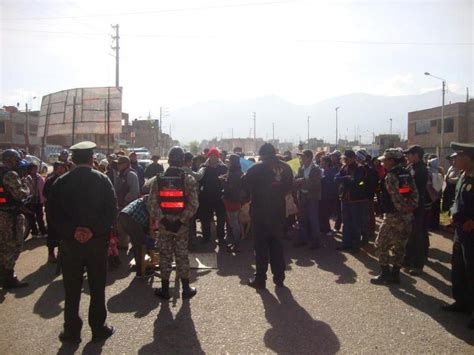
x: 188, y: 291
x: 384, y: 278
x: 164, y: 291
x: 11, y: 281
x: 396, y: 274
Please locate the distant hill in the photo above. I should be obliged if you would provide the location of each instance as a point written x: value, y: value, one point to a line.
x: 359, y: 113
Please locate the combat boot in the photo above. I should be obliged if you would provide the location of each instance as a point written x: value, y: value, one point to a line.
x: 396, y: 274
x: 384, y: 278
x: 164, y: 291
x: 188, y: 291
x: 11, y: 281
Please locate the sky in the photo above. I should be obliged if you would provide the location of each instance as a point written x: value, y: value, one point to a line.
x: 177, y: 53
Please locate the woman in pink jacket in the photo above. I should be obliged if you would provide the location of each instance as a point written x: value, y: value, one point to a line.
x: 36, y: 184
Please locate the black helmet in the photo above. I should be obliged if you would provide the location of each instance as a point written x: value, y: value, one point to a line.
x: 10, y: 153
x: 176, y: 156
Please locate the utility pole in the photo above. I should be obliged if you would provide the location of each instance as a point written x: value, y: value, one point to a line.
x: 27, y: 131
x: 273, y: 131
x: 391, y: 125
x: 255, y: 130
x: 308, y: 131
x: 441, y: 156
x: 116, y: 38
x: 337, y: 141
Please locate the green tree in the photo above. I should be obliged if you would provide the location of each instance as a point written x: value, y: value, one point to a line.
x: 194, y: 147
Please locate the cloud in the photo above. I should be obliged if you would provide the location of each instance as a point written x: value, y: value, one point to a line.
x: 399, y: 84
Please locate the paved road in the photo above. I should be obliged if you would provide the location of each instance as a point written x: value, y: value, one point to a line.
x: 329, y: 307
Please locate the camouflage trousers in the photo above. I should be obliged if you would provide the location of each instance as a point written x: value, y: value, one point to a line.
x: 11, y: 239
x: 174, y: 244
x: 393, y: 237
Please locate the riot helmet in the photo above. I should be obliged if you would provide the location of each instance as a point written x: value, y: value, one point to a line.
x: 176, y: 156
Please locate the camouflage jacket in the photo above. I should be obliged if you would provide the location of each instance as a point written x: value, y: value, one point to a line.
x: 15, y: 186
x: 400, y: 203
x: 190, y: 194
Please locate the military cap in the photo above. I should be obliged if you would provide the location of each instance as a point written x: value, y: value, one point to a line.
x: 85, y: 145
x: 392, y: 153
x: 465, y: 148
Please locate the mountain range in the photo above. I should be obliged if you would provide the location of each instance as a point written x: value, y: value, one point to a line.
x: 359, y: 116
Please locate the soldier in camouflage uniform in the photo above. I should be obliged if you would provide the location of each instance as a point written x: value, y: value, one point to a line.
x: 398, y: 201
x: 12, y: 192
x: 172, y: 206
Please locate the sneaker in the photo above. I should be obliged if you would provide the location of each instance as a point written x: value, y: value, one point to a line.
x: 415, y: 272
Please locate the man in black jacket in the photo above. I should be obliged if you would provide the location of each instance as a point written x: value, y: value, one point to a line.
x: 268, y: 182
x: 83, y: 207
x: 417, y: 247
x: 210, y: 195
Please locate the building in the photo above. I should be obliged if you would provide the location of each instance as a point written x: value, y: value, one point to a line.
x: 385, y: 141
x: 19, y: 130
x: 424, y: 127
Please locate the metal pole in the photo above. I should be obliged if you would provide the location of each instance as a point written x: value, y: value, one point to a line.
x: 390, y: 126
x: 441, y: 156
x: 73, y: 120
x: 117, y: 57
x: 308, y: 131
x: 255, y: 130
x: 27, y: 131
x: 337, y: 137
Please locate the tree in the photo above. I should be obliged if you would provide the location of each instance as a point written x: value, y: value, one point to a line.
x: 194, y: 147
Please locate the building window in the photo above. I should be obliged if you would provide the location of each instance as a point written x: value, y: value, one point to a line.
x: 448, y: 125
x: 422, y: 127
x: 2, y: 127
x: 434, y: 123
x: 19, y: 129
x: 33, y: 129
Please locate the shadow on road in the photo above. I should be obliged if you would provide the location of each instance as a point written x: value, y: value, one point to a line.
x: 138, y: 297
x: 43, y: 276
x: 453, y: 323
x: 174, y: 336
x: 47, y: 306
x: 293, y: 330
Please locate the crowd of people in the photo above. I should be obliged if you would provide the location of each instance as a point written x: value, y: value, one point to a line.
x: 95, y: 208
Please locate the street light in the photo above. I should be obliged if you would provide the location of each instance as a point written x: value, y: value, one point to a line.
x: 443, y: 89
x: 337, y: 108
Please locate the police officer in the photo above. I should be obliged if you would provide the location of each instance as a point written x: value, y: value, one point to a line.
x: 268, y: 183
x: 12, y: 192
x: 83, y: 208
x: 462, y: 214
x: 172, y: 204
x: 399, y: 199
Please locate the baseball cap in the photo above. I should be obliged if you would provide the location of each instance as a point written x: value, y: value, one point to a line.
x: 307, y: 153
x: 415, y: 149
x: 213, y: 151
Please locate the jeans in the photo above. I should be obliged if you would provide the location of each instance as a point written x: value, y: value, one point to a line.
x: 233, y: 219
x: 309, y: 219
x: 352, y: 223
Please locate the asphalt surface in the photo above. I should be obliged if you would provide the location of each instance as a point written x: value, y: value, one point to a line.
x: 328, y: 306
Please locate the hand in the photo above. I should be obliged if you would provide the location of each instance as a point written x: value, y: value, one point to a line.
x: 82, y: 234
x: 172, y: 227
x: 468, y: 226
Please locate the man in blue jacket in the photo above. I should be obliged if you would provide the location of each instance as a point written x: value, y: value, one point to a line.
x: 353, y: 193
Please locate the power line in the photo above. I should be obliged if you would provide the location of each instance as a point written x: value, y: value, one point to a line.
x: 149, y: 11
x: 328, y: 41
